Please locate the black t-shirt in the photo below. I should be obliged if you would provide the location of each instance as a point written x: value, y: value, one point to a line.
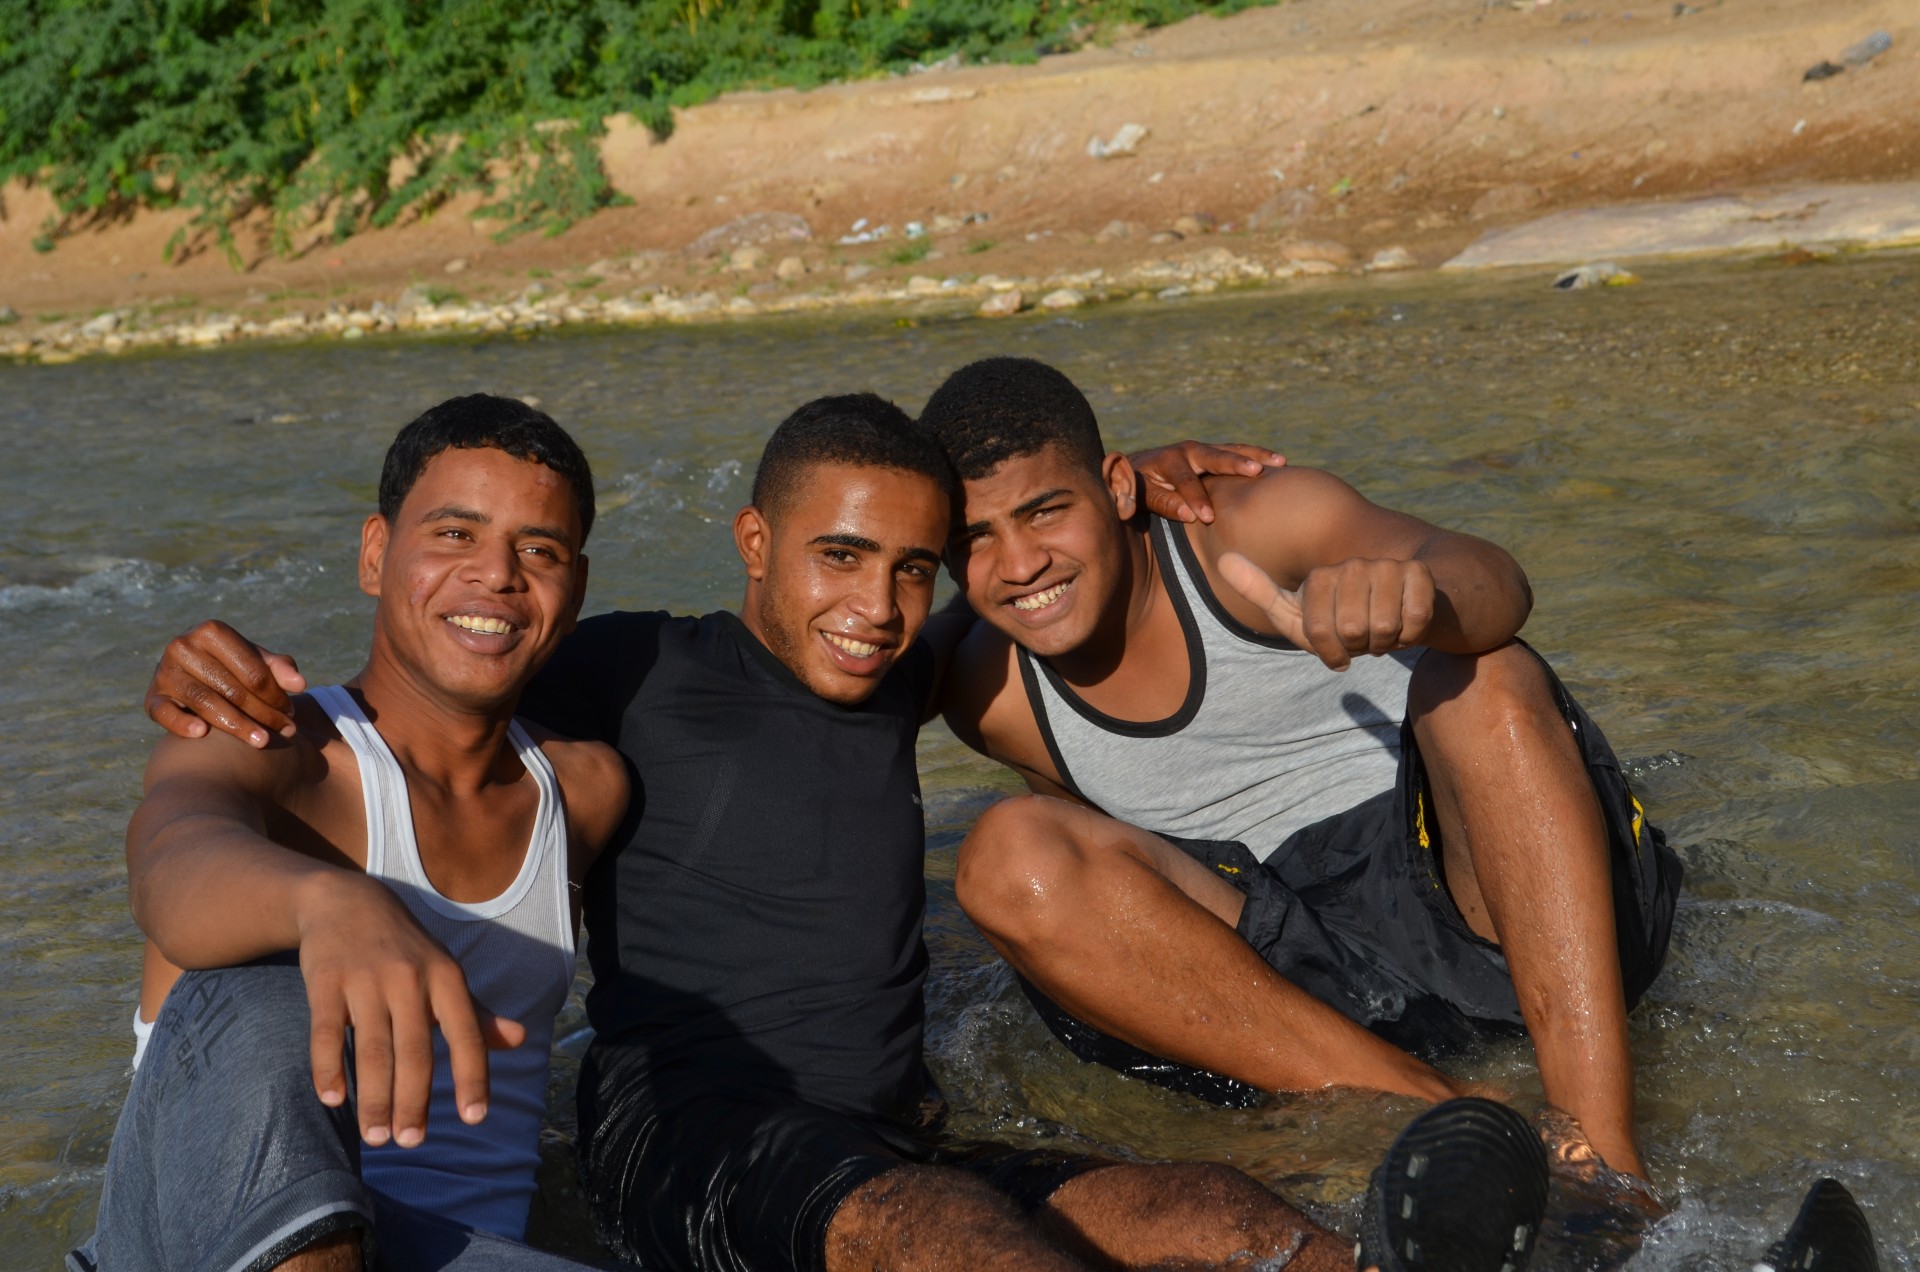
x: 756, y: 922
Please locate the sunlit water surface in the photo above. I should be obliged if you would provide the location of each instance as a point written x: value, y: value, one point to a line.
x: 1712, y: 478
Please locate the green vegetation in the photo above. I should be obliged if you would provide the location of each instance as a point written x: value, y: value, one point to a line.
x: 910, y: 253
x: 978, y: 246
x: 339, y: 115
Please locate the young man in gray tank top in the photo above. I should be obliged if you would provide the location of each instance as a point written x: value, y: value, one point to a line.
x: 1377, y: 815
x: 407, y: 814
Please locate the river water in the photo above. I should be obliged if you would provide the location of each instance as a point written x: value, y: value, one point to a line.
x: 1712, y: 478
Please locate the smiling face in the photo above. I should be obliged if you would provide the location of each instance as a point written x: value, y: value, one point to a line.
x: 841, y: 578
x: 479, y: 574
x: 1042, y: 548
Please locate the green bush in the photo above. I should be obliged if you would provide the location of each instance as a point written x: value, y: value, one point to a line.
x: 354, y: 113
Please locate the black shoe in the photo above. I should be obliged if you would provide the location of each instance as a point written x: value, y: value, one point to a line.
x: 1461, y: 1190
x: 1828, y: 1235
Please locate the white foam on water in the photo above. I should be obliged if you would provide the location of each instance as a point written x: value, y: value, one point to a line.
x: 1696, y: 1236
x: 127, y: 582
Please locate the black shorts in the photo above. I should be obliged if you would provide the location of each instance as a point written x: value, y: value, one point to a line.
x: 1353, y: 910
x: 724, y: 1180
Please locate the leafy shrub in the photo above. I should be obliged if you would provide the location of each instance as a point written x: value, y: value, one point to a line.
x: 350, y: 114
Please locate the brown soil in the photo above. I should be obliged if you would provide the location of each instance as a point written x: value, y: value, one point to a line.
x: 1419, y: 123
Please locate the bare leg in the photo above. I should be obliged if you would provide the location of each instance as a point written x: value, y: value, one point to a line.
x: 931, y: 1219
x: 1188, y: 1216
x: 1136, y: 939
x: 1526, y: 858
x: 335, y: 1252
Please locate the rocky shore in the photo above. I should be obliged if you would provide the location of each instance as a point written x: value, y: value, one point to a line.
x: 1310, y: 138
x: 618, y: 292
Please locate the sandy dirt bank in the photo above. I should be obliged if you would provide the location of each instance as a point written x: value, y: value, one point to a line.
x: 1317, y: 135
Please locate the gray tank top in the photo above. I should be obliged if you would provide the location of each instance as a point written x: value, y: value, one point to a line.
x: 1269, y: 739
x: 517, y: 951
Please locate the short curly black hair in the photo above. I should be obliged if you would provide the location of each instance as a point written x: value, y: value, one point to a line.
x: 848, y: 428
x: 481, y: 421
x: 995, y: 409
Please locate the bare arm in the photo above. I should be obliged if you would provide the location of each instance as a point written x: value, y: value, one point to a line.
x: 1346, y: 577
x: 210, y: 889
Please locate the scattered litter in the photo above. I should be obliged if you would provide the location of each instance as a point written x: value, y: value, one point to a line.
x: 861, y: 234
x: 916, y: 229
x: 1854, y: 55
x: 1600, y: 274
x: 1799, y: 127
x: 1155, y: 178
x: 1124, y: 143
x: 1868, y: 49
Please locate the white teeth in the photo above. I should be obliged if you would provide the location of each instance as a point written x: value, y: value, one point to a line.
x: 485, y: 626
x: 858, y: 648
x: 1040, y: 600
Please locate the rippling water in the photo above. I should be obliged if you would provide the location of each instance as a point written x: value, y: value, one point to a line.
x: 1713, y: 480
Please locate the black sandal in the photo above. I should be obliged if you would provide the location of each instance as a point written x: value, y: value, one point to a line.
x: 1462, y: 1189
x: 1829, y: 1235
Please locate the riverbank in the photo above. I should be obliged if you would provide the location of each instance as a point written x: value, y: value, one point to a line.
x: 1307, y: 139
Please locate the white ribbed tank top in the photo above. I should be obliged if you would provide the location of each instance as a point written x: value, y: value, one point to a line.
x: 1269, y: 739
x: 517, y: 951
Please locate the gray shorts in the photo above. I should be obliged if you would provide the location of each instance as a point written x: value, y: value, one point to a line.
x: 224, y: 1159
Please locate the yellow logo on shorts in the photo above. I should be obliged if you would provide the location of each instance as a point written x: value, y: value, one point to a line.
x: 1639, y: 817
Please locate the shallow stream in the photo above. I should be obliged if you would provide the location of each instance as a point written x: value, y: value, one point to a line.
x: 1713, y: 479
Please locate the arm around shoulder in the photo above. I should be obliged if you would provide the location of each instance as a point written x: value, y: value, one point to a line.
x: 206, y: 883
x: 985, y: 704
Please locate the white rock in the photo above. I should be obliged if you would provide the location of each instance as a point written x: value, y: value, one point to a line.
x: 922, y: 285
x: 1002, y: 304
x: 745, y: 259
x: 1391, y: 258
x: 456, y: 265
x: 1064, y: 298
x: 103, y: 325
x: 790, y: 268
x: 1125, y: 142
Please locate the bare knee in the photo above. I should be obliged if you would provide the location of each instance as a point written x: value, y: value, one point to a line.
x: 1504, y: 689
x: 1017, y: 864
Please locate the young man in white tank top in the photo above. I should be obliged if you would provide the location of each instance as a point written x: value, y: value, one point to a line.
x: 416, y: 847
x: 1114, y: 670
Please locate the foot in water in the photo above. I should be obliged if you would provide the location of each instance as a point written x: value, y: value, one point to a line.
x: 1461, y: 1190
x: 1829, y: 1235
